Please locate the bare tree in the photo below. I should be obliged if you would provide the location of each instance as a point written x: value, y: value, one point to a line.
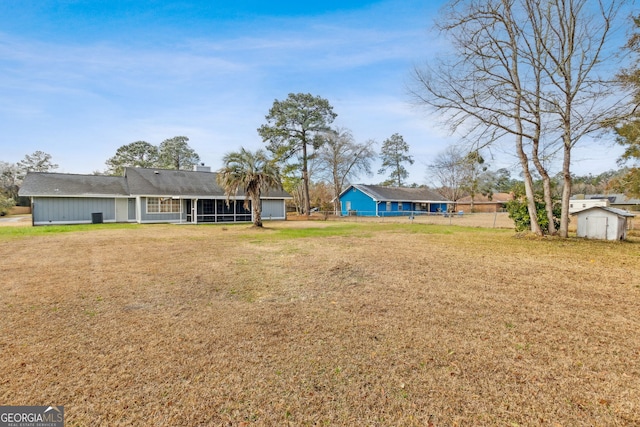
x: 525, y: 69
x: 574, y: 36
x: 448, y: 173
x: 340, y: 159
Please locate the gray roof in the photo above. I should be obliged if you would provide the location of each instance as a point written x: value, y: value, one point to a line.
x: 614, y: 198
x: 135, y: 182
x: 63, y: 184
x: 382, y: 193
x: 165, y: 182
x: 619, y: 212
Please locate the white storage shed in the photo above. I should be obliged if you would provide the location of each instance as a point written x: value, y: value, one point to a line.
x: 603, y: 223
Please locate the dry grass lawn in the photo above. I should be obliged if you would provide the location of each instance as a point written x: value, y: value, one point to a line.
x: 320, y: 323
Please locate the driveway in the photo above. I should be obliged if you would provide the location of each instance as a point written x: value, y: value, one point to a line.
x: 15, y: 220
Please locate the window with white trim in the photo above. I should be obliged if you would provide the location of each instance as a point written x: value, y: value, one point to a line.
x: 163, y: 205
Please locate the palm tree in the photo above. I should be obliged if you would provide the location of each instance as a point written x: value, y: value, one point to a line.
x: 251, y: 172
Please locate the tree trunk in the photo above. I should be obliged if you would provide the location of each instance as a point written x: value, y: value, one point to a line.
x: 336, y: 190
x: 257, y: 210
x: 546, y: 188
x: 528, y: 187
x: 566, y: 189
x: 305, y: 180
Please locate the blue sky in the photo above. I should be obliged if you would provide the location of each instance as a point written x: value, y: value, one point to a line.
x: 81, y: 78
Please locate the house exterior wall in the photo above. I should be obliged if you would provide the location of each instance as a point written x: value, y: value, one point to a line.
x: 273, y: 209
x: 146, y: 217
x: 600, y: 224
x: 409, y: 208
x: 577, y: 205
x: 72, y: 210
x: 357, y: 201
x: 132, y: 209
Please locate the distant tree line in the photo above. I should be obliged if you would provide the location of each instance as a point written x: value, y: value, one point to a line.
x: 12, y: 174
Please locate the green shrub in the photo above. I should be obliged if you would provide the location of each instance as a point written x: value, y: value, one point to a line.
x: 6, y: 204
x: 519, y: 213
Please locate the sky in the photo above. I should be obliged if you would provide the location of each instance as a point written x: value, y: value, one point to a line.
x: 81, y: 78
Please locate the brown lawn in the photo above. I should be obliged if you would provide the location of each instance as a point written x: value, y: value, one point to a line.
x: 357, y: 323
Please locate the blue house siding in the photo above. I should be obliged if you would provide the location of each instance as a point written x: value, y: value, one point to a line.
x: 373, y: 200
x: 357, y: 202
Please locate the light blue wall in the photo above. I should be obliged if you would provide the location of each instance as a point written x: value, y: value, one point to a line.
x: 273, y: 209
x: 72, y: 210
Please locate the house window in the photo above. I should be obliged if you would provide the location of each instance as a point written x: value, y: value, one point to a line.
x: 348, y: 204
x: 400, y: 207
x: 388, y: 206
x: 163, y: 205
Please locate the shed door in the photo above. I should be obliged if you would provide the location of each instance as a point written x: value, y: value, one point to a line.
x: 597, y: 227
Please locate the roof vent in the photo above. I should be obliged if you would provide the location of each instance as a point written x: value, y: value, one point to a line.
x: 156, y: 172
x: 202, y: 168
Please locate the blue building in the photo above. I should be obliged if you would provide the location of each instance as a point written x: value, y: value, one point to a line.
x: 377, y: 200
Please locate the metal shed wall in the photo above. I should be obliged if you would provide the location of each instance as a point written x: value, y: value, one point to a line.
x: 72, y: 210
x: 601, y: 225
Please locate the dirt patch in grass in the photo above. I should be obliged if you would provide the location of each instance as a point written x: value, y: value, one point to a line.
x: 387, y: 324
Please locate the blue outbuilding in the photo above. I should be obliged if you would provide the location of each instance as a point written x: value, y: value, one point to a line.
x: 378, y: 200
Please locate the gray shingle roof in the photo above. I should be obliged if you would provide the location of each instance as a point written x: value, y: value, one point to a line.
x: 135, y: 182
x: 164, y: 182
x: 386, y: 194
x: 614, y: 198
x: 62, y: 184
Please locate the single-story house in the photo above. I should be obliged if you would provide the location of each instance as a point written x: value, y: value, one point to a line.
x: 377, y: 200
x: 496, y: 202
x: 616, y: 200
x: 142, y: 196
x: 603, y: 223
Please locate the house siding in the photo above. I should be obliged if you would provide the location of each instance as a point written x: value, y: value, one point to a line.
x: 72, y: 210
x: 159, y: 217
x: 132, y: 209
x: 360, y: 202
x: 273, y: 209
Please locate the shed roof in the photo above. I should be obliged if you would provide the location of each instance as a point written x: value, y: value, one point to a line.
x: 616, y: 211
x: 63, y: 184
x: 382, y: 193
